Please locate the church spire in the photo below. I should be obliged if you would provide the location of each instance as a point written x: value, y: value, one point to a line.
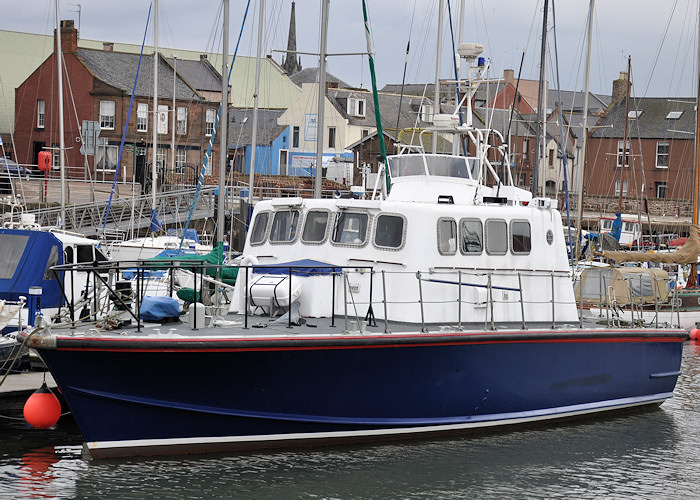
x: 290, y: 63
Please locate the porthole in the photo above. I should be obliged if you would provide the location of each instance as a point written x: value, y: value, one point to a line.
x: 550, y: 236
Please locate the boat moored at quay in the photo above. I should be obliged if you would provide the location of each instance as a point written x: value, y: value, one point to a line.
x: 441, y: 302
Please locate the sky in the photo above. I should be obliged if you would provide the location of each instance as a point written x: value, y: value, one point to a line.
x: 659, y: 36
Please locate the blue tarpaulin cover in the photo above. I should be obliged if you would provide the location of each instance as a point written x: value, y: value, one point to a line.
x: 304, y: 267
x: 159, y: 308
x: 26, y: 258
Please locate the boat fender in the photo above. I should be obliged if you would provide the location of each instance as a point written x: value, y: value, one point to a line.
x: 248, y: 260
x: 693, y: 333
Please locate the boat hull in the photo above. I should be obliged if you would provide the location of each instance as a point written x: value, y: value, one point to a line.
x: 145, y: 396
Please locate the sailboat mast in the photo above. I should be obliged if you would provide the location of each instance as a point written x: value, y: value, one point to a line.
x: 172, y: 135
x: 625, y: 150
x: 693, y: 277
x: 61, y: 138
x: 154, y: 171
x: 223, y: 131
x: 251, y: 175
x: 438, y: 53
x: 540, y: 111
x: 321, y: 98
x: 584, y: 132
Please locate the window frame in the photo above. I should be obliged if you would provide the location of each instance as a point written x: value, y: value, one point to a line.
x: 487, y: 233
x: 464, y: 220
x: 402, y: 239
x: 337, y: 232
x: 108, y: 121
x: 666, y: 155
x: 622, y: 154
x: 142, y: 117
x: 40, y: 113
x: 661, y: 186
x: 181, y: 120
x: 332, y: 137
x: 441, y: 248
x: 326, y: 231
x: 296, y: 131
x: 513, y: 235
x: 209, y: 121
x: 296, y: 218
x: 266, y: 228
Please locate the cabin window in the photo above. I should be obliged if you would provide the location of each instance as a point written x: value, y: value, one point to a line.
x: 40, y: 113
x: 107, y: 111
x: 389, y: 232
x: 68, y: 255
x: 142, y: 117
x: 257, y: 235
x: 13, y: 245
x: 662, y: 154
x: 284, y: 226
x: 520, y: 240
x: 351, y: 228
x: 472, y: 232
x: 85, y: 254
x: 315, y: 226
x: 53, y: 261
x: 447, y: 236
x: 496, y: 237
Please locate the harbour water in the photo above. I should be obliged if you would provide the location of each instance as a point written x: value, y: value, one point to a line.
x: 653, y: 454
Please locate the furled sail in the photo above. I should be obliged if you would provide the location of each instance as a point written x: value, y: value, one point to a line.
x: 687, y: 254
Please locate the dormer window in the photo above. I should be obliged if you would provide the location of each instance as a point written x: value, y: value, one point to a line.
x: 356, y: 107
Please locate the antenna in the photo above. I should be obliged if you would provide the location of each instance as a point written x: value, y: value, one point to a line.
x: 78, y: 10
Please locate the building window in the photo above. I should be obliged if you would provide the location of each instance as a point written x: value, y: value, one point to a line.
x: 674, y: 115
x: 181, y: 120
x: 661, y: 189
x: 142, y: 117
x: 331, y: 137
x: 620, y: 154
x: 162, y: 119
x: 550, y: 159
x: 106, y: 158
x: 160, y: 157
x: 617, y: 188
x: 447, y: 236
x: 662, y: 154
x: 356, y: 107
x: 365, y: 132
x: 181, y: 160
x: 107, y: 111
x: 295, y: 137
x: 40, y: 113
x: 209, y: 122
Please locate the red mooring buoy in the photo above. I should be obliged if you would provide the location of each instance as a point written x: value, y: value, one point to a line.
x: 693, y: 333
x: 42, y: 410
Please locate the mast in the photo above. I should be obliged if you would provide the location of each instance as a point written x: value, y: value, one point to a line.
x: 61, y: 138
x: 172, y: 136
x: 438, y: 52
x: 625, y: 150
x: 584, y: 132
x: 321, y: 98
x: 223, y: 133
x: 693, y: 277
x: 254, y: 139
x: 154, y: 170
x: 540, y: 112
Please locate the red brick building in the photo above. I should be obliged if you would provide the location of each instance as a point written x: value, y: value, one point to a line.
x: 97, y: 87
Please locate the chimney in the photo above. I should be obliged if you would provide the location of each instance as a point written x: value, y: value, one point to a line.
x: 69, y: 37
x: 619, y: 88
x: 108, y: 46
x: 508, y: 76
